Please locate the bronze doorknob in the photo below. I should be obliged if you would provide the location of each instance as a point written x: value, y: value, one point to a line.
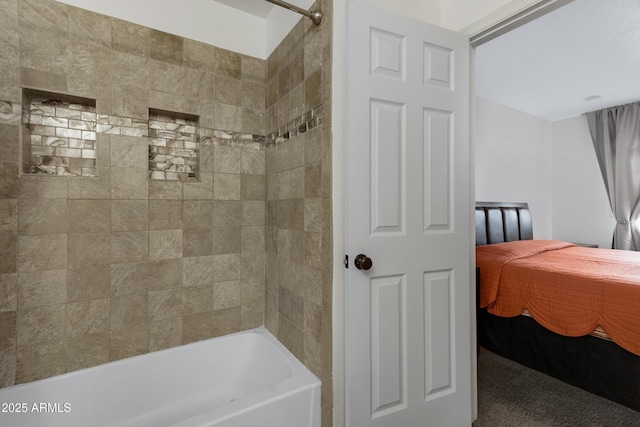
x: 362, y: 262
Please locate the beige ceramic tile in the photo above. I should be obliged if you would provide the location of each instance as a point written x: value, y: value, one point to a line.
x: 38, y: 288
x: 132, y: 69
x: 227, y: 321
x: 312, y: 180
x: 198, y: 55
x: 43, y: 216
x: 252, y: 315
x: 129, y: 101
x: 88, y: 283
x: 312, y: 355
x: 253, y: 213
x: 228, y: 117
x: 85, y: 351
x: 227, y: 267
x: 41, y: 187
x: 253, y: 161
x: 91, y: 188
x: 42, y: 324
x: 199, y: 84
x: 252, y: 239
x: 252, y: 265
x: 297, y: 183
x: 165, y: 214
x: 312, y: 146
x: 227, y: 186
x: 226, y: 240
x: 165, y: 77
x: 130, y: 38
x: 8, y: 292
x: 227, y: 213
x: 198, y: 214
x: 165, y: 244
x: 129, y: 215
x: 198, y: 271
x: 202, y: 190
x: 129, y: 152
x: 253, y: 69
x: 197, y: 242
x: 128, y: 341
x: 85, y: 216
x: 128, y: 310
x: 129, y: 279
x: 86, y: 249
x: 252, y: 290
x: 129, y: 246
x: 297, y: 214
x: 89, y: 27
x: 7, y: 367
x: 253, y: 187
x: 167, y: 47
x: 227, y: 63
x: 165, y: 274
x: 39, y: 361
x: 197, y: 327
x: 226, y: 294
x: 8, y: 331
x: 43, y: 252
x: 165, y: 334
x: 228, y: 90
x: 227, y: 159
x: 165, y: 304
x: 9, y: 249
x: 89, y: 317
x: 127, y: 183
x: 197, y: 299
x: 165, y: 190
x: 206, y: 157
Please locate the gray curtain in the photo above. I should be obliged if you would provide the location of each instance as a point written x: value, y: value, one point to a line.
x: 616, y: 138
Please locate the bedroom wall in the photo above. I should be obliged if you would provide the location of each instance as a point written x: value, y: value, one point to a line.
x: 513, y: 152
x: 581, y: 211
x: 550, y: 165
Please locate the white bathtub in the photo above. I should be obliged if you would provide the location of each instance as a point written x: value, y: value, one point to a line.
x: 239, y: 380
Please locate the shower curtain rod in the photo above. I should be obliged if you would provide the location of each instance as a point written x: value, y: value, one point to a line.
x: 314, y: 15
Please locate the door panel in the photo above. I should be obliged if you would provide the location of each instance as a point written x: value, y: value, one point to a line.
x: 408, y: 208
x: 387, y: 170
x: 388, y: 355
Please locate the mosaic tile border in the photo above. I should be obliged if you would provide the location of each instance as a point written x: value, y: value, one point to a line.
x: 297, y: 126
x: 11, y: 113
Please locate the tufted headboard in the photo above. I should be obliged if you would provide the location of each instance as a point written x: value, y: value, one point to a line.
x: 498, y: 222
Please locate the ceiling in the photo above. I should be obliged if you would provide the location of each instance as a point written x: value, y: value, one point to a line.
x: 259, y: 8
x: 262, y: 8
x: 581, y: 57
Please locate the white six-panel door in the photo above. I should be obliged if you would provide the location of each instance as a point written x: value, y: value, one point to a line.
x: 408, y: 208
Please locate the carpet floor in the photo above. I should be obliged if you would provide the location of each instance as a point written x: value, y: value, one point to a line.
x: 510, y: 394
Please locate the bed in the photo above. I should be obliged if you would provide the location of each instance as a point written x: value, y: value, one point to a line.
x: 592, y: 339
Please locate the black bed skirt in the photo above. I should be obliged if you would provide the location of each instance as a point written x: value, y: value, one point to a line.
x: 592, y: 364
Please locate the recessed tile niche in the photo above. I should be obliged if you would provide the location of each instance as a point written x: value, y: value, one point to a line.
x: 59, y: 135
x: 173, y: 146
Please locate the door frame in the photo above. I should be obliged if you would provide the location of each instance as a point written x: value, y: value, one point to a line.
x: 508, y: 17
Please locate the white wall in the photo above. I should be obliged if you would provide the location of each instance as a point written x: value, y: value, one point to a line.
x: 204, y: 20
x: 513, y: 161
x: 550, y: 165
x: 458, y: 14
x: 581, y: 210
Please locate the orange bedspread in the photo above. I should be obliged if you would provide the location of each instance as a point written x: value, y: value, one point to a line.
x: 568, y: 289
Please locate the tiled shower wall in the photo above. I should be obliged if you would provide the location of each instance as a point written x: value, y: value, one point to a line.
x: 94, y: 269
x: 298, y: 228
